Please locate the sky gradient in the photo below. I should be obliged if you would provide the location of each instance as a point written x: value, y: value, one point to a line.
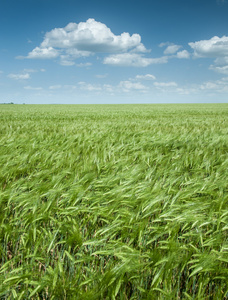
x: 114, y: 52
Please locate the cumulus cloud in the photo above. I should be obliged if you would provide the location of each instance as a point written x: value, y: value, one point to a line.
x: 43, y: 53
x: 87, y: 38
x: 82, y: 40
x: 140, y: 48
x: 172, y: 49
x: 215, y: 47
x: 19, y: 76
x: 183, y: 54
x: 133, y: 59
x: 90, y: 36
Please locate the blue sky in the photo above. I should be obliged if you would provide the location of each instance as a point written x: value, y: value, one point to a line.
x: 68, y: 51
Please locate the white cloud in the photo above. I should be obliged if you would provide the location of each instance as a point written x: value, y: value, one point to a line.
x: 108, y: 88
x: 123, y: 86
x: 165, y: 84
x: 217, y: 85
x: 171, y: 49
x: 222, y: 70
x: 127, y: 86
x: 99, y: 88
x: 65, y: 60
x: 19, y: 76
x: 209, y: 86
x: 75, y: 53
x: 82, y: 40
x: 140, y: 48
x: 183, y: 91
x: 32, y: 88
x: 133, y: 59
x: 90, y: 36
x: 145, y: 77
x: 70, y: 55
x: 87, y: 38
x: 164, y: 44
x: 183, y: 54
x: 221, y: 61
x: 33, y: 70
x: 221, y: 65
x: 43, y: 53
x: 89, y: 87
x: 215, y: 47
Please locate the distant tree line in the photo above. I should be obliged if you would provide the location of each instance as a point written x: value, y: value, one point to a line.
x: 7, y: 103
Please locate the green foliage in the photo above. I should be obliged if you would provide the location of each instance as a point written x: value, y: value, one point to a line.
x: 114, y: 202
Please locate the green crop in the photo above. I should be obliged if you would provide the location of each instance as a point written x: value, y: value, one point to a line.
x: 114, y: 201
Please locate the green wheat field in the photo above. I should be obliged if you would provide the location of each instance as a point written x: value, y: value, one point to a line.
x: 114, y: 201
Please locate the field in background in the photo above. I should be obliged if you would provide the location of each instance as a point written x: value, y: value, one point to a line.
x: 114, y: 201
